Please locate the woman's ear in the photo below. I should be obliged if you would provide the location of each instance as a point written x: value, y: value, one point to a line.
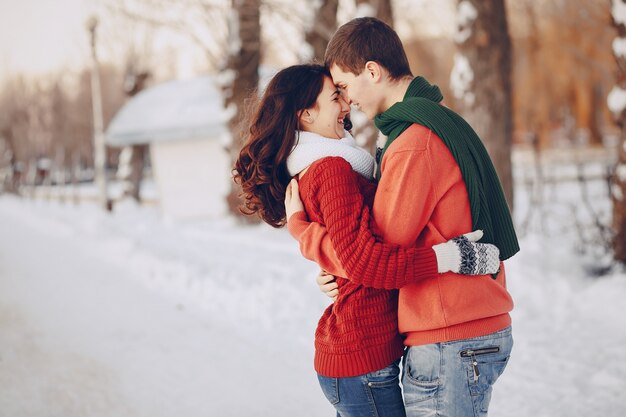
x: 305, y: 116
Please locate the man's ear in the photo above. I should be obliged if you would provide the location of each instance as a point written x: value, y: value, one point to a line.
x: 374, y: 71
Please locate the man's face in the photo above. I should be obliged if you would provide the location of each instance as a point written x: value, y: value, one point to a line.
x: 358, y: 90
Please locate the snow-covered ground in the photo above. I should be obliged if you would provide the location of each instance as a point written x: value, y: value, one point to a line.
x: 130, y: 315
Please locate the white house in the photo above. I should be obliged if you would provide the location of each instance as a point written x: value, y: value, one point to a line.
x: 184, y: 122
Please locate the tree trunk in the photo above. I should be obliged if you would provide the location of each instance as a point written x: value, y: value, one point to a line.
x: 482, y: 76
x: 135, y: 82
x: 12, y: 180
x: 324, y: 25
x: 137, y: 164
x: 618, y: 107
x: 597, y: 106
x: 619, y: 201
x: 382, y: 9
x: 243, y: 63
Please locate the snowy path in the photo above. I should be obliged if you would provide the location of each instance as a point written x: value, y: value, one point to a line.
x: 128, y: 315
x: 81, y: 337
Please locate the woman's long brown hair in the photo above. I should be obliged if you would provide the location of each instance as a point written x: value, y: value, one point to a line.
x: 261, y: 169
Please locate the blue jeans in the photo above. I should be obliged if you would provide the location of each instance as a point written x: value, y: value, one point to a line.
x: 376, y: 394
x: 454, y: 379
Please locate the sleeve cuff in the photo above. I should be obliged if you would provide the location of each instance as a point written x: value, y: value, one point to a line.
x: 297, y: 224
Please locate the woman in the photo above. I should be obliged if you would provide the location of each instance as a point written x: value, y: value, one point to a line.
x: 298, y: 130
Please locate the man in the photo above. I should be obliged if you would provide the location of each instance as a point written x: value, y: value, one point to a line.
x: 436, y: 181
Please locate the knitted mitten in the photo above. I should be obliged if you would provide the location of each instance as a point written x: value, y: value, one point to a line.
x: 465, y: 256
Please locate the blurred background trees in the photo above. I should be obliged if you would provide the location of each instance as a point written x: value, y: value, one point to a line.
x: 481, y: 79
x: 617, y: 104
x: 561, y: 62
x: 532, y: 74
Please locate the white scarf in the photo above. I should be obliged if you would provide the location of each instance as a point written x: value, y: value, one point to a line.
x: 310, y: 147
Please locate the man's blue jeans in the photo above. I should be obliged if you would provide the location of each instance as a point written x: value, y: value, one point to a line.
x: 454, y: 379
x: 376, y: 394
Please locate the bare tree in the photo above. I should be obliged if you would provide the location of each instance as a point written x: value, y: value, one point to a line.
x: 481, y: 80
x: 617, y: 104
x: 201, y: 21
x: 243, y: 67
x: 535, y: 117
x: 10, y: 168
x: 135, y: 81
x: 232, y: 32
x: 566, y: 34
x: 325, y: 21
x: 381, y: 9
x: 14, y: 117
x: 322, y: 29
x: 26, y: 119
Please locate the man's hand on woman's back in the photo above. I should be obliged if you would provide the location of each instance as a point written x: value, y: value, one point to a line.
x: 328, y: 284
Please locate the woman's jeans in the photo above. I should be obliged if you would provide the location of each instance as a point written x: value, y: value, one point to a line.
x: 454, y: 379
x: 376, y: 394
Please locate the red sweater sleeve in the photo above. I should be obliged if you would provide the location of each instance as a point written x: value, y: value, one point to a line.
x: 321, y: 253
x: 347, y: 218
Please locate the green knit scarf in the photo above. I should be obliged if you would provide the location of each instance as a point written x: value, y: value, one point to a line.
x: 488, y: 206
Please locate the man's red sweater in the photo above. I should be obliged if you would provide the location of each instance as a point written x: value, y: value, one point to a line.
x: 359, y: 332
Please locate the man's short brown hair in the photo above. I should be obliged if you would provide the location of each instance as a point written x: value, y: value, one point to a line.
x: 367, y: 39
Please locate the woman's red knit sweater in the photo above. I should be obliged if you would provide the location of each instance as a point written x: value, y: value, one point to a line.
x: 358, y: 333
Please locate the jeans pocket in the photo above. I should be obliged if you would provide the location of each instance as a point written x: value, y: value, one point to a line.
x: 386, y: 376
x: 330, y: 388
x: 485, y: 363
x: 483, y: 373
x: 420, y: 379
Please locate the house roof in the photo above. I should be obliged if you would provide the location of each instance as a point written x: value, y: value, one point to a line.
x: 175, y: 110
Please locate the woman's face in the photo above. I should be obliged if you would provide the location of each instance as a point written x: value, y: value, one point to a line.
x: 326, y: 117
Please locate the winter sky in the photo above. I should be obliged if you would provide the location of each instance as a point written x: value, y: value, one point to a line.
x: 39, y: 36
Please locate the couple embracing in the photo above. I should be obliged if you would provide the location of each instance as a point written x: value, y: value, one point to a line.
x: 410, y: 284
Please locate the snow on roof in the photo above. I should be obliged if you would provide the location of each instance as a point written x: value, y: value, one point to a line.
x: 181, y: 109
